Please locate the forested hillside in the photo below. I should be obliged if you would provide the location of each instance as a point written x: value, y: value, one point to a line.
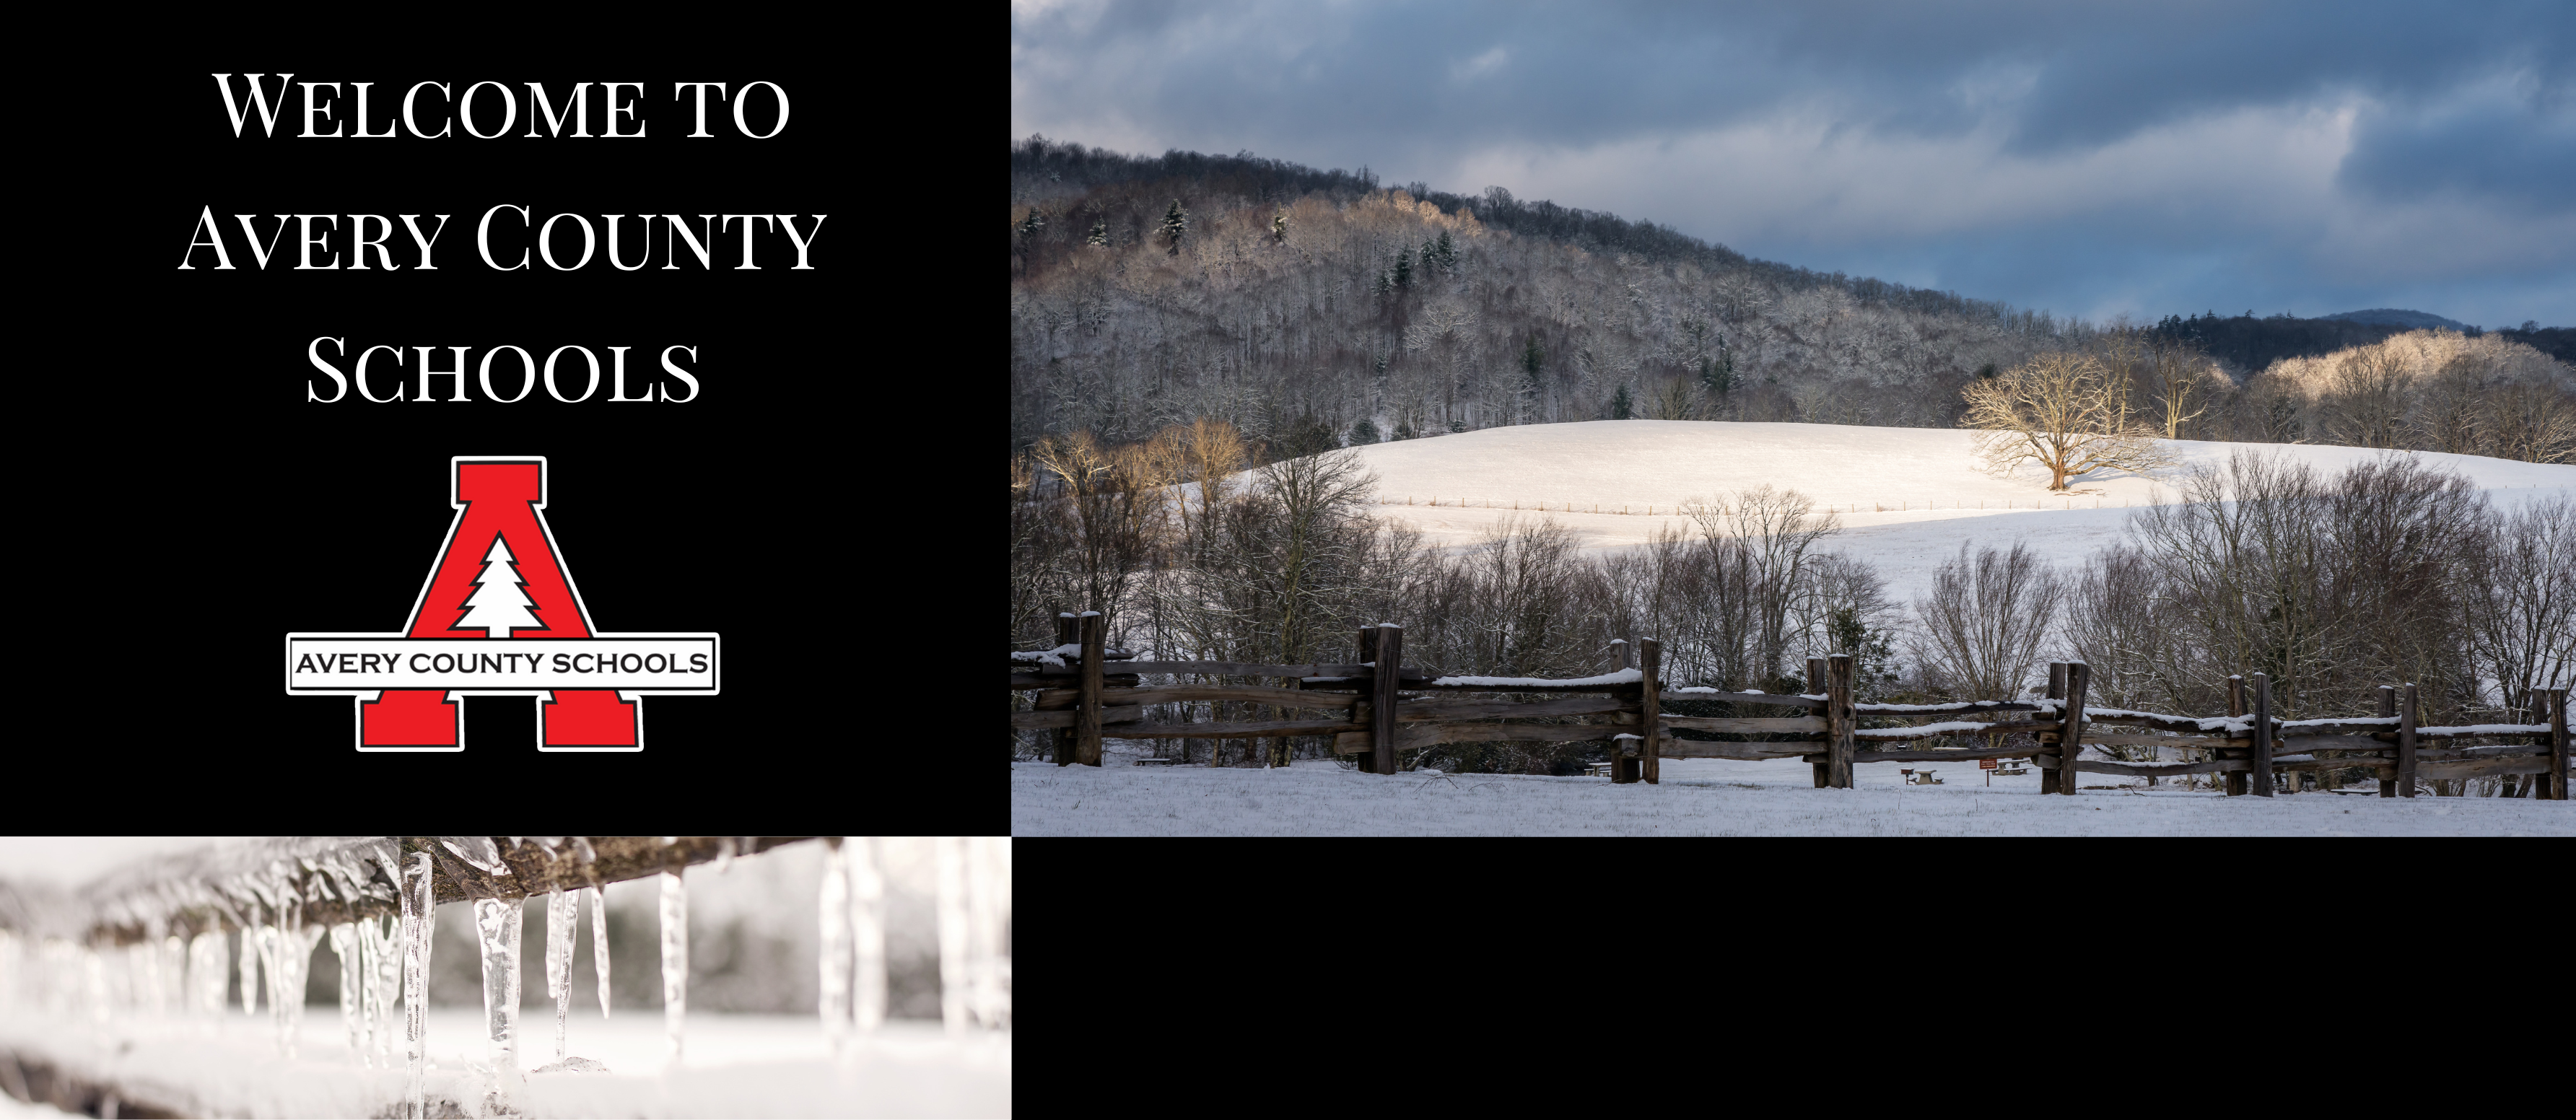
x: 1316, y: 309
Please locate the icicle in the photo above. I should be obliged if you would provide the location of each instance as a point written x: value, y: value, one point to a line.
x: 675, y: 958
x: 496, y: 926
x: 417, y: 913
x: 987, y: 903
x: 250, y: 962
x: 952, y: 933
x: 206, y: 974
x: 292, y: 963
x: 344, y: 941
x: 581, y: 847
x: 724, y: 854
x: 561, y: 911
x: 174, y: 973
x: 598, y: 937
x: 835, y: 955
x: 386, y: 971
x: 867, y: 933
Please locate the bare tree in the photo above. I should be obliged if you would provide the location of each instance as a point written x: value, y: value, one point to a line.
x: 1112, y: 511
x: 2182, y: 385
x: 1983, y: 624
x: 2063, y: 410
x: 2366, y: 404
x: 2522, y: 605
x: 1773, y: 530
x: 2532, y: 421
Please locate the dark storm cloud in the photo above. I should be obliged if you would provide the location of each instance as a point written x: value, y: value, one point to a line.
x: 2197, y: 132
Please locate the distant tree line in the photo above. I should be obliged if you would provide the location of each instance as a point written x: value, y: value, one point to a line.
x: 1311, y: 310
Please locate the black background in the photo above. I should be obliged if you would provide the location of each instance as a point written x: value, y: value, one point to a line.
x: 221, y: 503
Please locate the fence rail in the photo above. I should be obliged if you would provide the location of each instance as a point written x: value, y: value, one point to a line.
x: 1083, y: 702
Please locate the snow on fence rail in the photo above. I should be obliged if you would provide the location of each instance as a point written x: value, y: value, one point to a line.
x: 374, y: 896
x: 1406, y: 710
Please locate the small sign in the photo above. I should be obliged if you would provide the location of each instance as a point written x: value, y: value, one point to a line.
x: 1986, y: 763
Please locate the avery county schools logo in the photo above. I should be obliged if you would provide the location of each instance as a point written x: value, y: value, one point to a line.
x: 499, y: 616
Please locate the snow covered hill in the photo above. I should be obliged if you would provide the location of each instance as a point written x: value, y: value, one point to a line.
x: 1907, y: 497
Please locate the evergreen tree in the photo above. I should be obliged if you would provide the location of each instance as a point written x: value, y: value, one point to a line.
x: 1363, y: 432
x: 1457, y: 425
x: 1623, y: 406
x: 1404, y: 268
x: 497, y: 605
x: 1279, y: 229
x: 1099, y: 232
x: 1448, y: 253
x: 1176, y: 225
x: 1382, y: 287
x: 1430, y: 257
x: 1404, y: 429
x: 1030, y: 225
x: 1718, y: 373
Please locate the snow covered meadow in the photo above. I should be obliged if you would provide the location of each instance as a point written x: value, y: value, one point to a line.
x: 1707, y: 797
x: 1906, y: 500
x: 1906, y: 497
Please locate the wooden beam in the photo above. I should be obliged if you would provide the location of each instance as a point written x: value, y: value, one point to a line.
x: 1776, y: 698
x: 1816, y: 684
x: 2070, y: 734
x: 1650, y: 660
x: 1752, y: 752
x: 2387, y: 710
x: 2236, y: 707
x: 2406, y: 716
x: 2261, y: 778
x: 1838, y: 713
x: 1384, y: 678
x: 1251, y: 729
x: 2558, y: 744
x: 2048, y: 780
x: 1128, y: 714
x: 1064, y: 698
x: 1361, y: 713
x: 1086, y: 726
x: 1793, y: 725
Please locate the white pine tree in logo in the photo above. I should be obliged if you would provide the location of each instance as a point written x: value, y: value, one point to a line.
x: 497, y: 605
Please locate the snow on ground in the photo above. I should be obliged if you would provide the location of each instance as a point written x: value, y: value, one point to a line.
x: 1702, y: 796
x: 737, y: 1065
x: 1926, y: 478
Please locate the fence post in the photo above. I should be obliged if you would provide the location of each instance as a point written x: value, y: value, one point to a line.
x: 1618, y: 654
x: 1068, y: 631
x: 1816, y: 687
x: 1385, y: 674
x: 2054, y: 781
x: 2262, y: 778
x: 2406, y: 716
x: 1086, y: 719
x: 2387, y: 709
x: 2558, y: 744
x: 2070, y: 735
x: 2235, y: 708
x: 1650, y: 658
x: 1839, y: 717
x: 1368, y: 653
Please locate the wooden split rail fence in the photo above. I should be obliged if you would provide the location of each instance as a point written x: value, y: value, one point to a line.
x: 1378, y: 715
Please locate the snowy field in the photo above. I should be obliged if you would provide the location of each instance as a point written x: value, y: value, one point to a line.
x: 736, y: 1065
x: 1708, y: 797
x: 1927, y: 479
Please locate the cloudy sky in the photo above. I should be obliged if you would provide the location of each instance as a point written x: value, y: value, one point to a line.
x: 2090, y: 159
